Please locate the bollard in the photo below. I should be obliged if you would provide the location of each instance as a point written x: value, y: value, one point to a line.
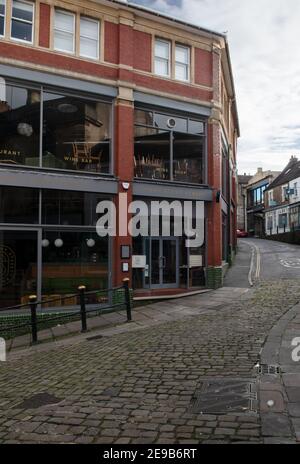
x: 82, y: 290
x: 127, y: 299
x: 33, y: 306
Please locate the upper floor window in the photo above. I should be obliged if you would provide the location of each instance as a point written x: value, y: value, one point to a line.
x: 169, y: 147
x: 177, y: 67
x: 182, y: 63
x: 162, y: 57
x: 74, y: 133
x: 64, y: 31
x: 22, y: 21
x: 2, y: 17
x: 89, y: 37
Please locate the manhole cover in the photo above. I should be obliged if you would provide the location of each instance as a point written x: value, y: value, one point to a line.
x: 222, y: 396
x: 38, y: 400
x: 268, y: 369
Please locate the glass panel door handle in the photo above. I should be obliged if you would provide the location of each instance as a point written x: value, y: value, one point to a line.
x: 164, y: 260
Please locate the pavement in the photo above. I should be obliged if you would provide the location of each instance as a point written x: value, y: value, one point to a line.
x: 211, y: 368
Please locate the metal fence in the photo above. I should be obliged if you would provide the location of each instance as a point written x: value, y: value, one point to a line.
x: 120, y: 294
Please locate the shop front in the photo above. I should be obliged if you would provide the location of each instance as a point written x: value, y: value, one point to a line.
x: 49, y: 246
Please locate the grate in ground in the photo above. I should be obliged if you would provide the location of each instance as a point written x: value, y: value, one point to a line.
x: 269, y: 369
x: 222, y: 396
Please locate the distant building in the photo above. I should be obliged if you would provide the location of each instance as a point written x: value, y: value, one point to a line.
x: 255, y: 201
x: 242, y: 201
x: 282, y: 201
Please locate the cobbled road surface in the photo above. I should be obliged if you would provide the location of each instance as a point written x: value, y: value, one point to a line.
x: 137, y: 387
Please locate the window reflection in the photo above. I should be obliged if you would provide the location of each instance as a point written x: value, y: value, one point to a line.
x: 71, y: 259
x: 76, y: 134
x: 20, y: 126
x: 187, y: 158
x: 160, y: 138
x: 152, y: 153
x: 69, y: 208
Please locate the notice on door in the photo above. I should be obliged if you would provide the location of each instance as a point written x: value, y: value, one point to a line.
x: 138, y: 261
x: 195, y: 261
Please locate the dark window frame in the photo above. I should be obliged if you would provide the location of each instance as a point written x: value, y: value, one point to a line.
x: 67, y: 93
x: 181, y: 115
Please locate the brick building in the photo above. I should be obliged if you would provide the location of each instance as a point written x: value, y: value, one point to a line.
x: 100, y: 98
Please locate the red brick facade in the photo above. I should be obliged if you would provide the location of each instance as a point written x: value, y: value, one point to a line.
x: 126, y: 62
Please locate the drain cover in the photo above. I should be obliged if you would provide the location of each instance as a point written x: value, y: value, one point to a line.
x: 268, y: 369
x: 38, y: 400
x: 222, y: 396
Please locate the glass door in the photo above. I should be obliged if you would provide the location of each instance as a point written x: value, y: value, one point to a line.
x: 164, y: 262
x: 18, y: 266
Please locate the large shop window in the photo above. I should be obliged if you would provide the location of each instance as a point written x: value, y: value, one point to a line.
x: 58, y: 226
x: 74, y: 134
x: 22, y: 21
x: 2, y: 17
x: 169, y: 147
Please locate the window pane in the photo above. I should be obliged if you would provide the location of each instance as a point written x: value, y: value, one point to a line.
x: 22, y: 10
x: 21, y: 31
x: 170, y: 122
x: 152, y: 153
x: 76, y: 134
x: 64, y: 21
x: 63, y: 41
x: 82, y: 259
x: 161, y: 67
x: 69, y: 208
x: 162, y: 49
x: 88, y: 47
x: 196, y: 127
x: 2, y: 7
x: 188, y: 155
x: 20, y: 126
x: 19, y: 205
x: 181, y: 72
x: 1, y: 25
x: 143, y: 117
x: 89, y: 28
x: 182, y: 54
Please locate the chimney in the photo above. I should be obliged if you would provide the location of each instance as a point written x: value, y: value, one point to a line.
x: 259, y: 170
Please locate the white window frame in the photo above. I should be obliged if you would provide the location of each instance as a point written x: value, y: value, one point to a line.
x: 22, y: 21
x: 187, y: 65
x: 86, y: 37
x: 67, y: 13
x: 4, y: 18
x: 159, y: 58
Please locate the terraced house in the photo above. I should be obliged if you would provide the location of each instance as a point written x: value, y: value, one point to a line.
x: 100, y: 98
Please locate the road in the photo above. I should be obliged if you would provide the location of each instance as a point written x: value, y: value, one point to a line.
x: 270, y: 261
x: 152, y: 384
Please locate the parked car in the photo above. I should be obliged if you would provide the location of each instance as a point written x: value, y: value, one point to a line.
x: 241, y: 233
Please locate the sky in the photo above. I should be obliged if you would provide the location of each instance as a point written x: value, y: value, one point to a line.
x: 264, y: 44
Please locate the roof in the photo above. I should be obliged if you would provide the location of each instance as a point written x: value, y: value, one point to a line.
x: 175, y: 19
x: 244, y: 179
x: 289, y: 173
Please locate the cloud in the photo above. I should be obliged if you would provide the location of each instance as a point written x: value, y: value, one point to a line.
x: 263, y: 37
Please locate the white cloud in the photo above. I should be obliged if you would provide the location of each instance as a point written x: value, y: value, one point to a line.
x: 263, y: 37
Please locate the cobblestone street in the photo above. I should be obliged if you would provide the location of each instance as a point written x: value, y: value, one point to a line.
x: 137, y: 386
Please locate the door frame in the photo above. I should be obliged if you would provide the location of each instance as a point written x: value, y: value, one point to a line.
x: 161, y: 284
